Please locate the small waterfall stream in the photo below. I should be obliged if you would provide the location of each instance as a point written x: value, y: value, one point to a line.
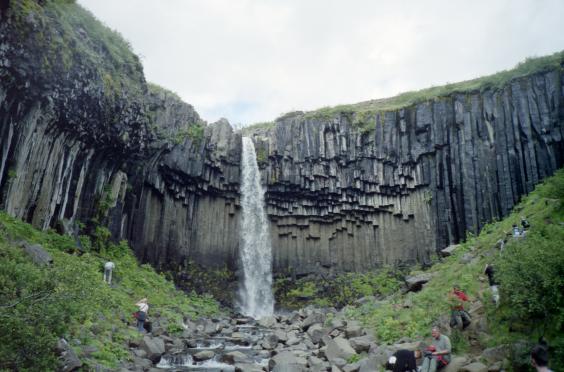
x: 255, y: 248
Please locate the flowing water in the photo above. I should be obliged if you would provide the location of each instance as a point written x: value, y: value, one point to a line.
x: 255, y: 249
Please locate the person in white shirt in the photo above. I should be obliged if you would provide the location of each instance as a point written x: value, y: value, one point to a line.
x: 108, y: 267
x: 142, y: 314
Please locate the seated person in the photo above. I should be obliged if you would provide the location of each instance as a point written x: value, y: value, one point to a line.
x: 438, y: 353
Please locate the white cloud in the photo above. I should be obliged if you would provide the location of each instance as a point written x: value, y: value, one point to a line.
x: 251, y: 60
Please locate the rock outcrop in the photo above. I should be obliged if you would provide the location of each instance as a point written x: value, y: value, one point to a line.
x: 84, y: 138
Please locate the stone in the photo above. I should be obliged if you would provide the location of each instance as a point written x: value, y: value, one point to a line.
x: 154, y: 347
x: 474, y: 367
x: 354, y: 367
x: 339, y: 362
x: 314, y: 318
x: 370, y: 364
x: 456, y: 363
x: 315, y: 332
x: 234, y: 357
x: 415, y: 283
x: 287, y: 359
x: 248, y: 367
x: 338, y: 348
x: 282, y: 336
x: 448, y: 251
x: 354, y: 330
x: 267, y: 322
x: 269, y: 342
x: 38, y: 255
x: 68, y: 360
x: 204, y: 355
x: 495, y: 354
x: 361, y: 344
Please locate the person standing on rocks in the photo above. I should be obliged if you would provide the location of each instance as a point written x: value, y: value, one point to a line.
x: 108, y: 267
x: 142, y: 314
x: 438, y: 354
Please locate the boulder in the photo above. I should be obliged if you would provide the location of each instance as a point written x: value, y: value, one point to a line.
x: 370, y: 364
x: 495, y: 354
x: 269, y: 342
x: 248, y: 367
x: 361, y: 344
x: 353, y: 329
x: 449, y: 250
x: 315, y: 332
x: 267, y: 322
x: 353, y: 367
x: 154, y: 347
x: 315, y: 317
x: 456, y: 364
x: 282, y: 336
x: 203, y: 355
x: 234, y: 357
x: 37, y: 254
x: 68, y: 359
x: 288, y: 360
x: 415, y: 283
x: 474, y: 367
x: 338, y: 348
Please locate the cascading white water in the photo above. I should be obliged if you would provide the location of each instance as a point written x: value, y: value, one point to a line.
x: 255, y: 248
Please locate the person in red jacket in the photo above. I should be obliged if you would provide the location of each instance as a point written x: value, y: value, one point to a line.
x: 459, y: 316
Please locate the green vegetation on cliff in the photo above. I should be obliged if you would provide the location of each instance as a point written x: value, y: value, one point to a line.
x: 69, y: 299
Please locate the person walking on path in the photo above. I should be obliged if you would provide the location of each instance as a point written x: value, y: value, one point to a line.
x: 142, y: 314
x: 438, y: 354
x: 108, y: 267
x: 459, y: 317
x: 489, y: 271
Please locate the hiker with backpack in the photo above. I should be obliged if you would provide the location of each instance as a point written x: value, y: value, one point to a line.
x: 459, y: 317
x: 437, y: 355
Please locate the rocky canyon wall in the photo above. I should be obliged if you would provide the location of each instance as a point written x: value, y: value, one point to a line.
x: 414, y: 180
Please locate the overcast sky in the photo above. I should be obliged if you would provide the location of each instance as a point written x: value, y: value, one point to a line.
x: 253, y: 60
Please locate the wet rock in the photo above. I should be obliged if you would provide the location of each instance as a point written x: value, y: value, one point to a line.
x: 248, y: 367
x: 154, y: 347
x: 269, y: 342
x: 204, y: 355
x: 267, y: 321
x: 234, y: 357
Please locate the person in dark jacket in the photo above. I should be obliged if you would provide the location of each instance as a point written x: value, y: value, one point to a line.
x: 490, y: 272
x: 403, y: 361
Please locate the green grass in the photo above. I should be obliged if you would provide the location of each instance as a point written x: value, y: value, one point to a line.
x: 249, y: 130
x: 71, y: 300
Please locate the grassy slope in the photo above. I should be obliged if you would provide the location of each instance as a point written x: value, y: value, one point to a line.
x: 418, y: 311
x: 78, y: 304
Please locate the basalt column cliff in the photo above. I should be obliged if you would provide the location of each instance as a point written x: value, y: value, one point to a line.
x: 413, y: 180
x: 84, y: 138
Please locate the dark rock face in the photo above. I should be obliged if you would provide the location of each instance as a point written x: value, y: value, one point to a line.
x: 420, y: 179
x: 143, y: 163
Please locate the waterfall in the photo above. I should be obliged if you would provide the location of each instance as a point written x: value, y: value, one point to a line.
x: 254, y: 243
